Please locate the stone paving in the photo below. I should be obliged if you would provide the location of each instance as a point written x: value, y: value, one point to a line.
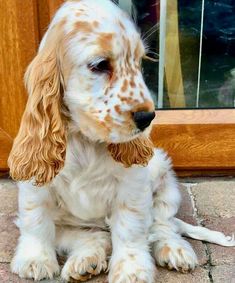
x: 209, y: 202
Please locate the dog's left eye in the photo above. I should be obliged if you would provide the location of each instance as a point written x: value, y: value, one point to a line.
x: 102, y: 66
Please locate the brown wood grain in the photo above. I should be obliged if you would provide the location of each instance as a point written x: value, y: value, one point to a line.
x: 18, y: 43
x: 46, y: 11
x: 197, y: 139
x: 6, y: 143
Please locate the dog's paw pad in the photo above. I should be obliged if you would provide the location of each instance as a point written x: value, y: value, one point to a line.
x: 174, y: 256
x: 130, y: 271
x: 35, y: 268
x: 83, y: 269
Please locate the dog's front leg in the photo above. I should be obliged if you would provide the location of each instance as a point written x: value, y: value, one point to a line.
x: 35, y: 255
x: 131, y: 261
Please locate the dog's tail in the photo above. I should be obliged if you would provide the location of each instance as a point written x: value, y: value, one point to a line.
x: 204, y: 234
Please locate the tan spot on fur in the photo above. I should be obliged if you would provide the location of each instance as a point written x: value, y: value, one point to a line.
x: 165, y: 251
x: 131, y: 93
x: 123, y: 206
x: 113, y: 78
x: 95, y: 24
x: 108, y: 110
x: 108, y: 118
x: 117, y: 109
x: 142, y: 94
x: 124, y: 85
x: 132, y: 83
x: 141, y: 86
x: 104, y: 41
x: 145, y: 106
x: 180, y: 252
x: 30, y: 206
x: 127, y: 100
x: 132, y: 257
x: 83, y: 26
x: 133, y: 72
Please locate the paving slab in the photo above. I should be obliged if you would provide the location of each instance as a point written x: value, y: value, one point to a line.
x: 221, y: 255
x: 7, y: 277
x: 186, y: 212
x: 8, y: 238
x: 200, y: 275
x: 8, y: 196
x: 215, y: 198
x: 223, y: 274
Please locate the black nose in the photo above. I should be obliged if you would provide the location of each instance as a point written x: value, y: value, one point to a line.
x: 143, y: 119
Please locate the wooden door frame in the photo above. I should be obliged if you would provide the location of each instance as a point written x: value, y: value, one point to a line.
x: 200, y: 142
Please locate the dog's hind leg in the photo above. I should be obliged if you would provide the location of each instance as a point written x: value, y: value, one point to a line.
x: 169, y: 248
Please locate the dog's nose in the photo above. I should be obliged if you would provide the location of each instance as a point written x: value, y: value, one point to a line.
x: 143, y: 119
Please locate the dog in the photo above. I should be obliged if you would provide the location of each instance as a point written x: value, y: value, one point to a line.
x: 91, y: 184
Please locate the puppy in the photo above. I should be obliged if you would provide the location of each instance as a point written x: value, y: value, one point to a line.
x: 91, y: 185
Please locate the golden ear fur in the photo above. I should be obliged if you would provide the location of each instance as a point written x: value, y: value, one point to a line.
x: 138, y: 151
x: 39, y: 149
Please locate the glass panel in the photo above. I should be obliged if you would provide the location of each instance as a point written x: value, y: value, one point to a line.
x: 217, y: 85
x: 198, y: 58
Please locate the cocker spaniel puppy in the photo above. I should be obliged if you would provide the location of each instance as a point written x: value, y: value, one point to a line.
x: 91, y: 184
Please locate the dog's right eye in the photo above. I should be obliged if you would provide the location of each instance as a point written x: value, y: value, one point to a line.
x: 102, y: 66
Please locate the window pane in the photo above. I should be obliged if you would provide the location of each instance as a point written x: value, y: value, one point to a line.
x: 199, y: 61
x: 217, y: 85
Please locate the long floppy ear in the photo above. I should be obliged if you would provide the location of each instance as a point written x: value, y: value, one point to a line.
x: 138, y: 151
x: 39, y: 149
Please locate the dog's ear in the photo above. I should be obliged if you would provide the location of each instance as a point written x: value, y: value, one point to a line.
x: 138, y: 151
x: 39, y: 149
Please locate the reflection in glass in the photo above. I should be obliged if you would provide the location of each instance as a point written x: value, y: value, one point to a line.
x: 193, y: 73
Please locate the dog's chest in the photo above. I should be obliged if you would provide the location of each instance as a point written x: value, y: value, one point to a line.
x: 89, y: 199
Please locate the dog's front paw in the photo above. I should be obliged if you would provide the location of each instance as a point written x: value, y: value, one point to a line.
x: 82, y: 268
x: 43, y: 266
x: 132, y: 269
x: 175, y: 254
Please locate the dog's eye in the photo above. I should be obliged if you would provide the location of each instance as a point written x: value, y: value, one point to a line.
x: 102, y: 66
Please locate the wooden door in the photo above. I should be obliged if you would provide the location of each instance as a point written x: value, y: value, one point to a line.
x: 22, y: 25
x: 19, y: 40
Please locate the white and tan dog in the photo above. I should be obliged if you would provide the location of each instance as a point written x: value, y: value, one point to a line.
x: 92, y: 185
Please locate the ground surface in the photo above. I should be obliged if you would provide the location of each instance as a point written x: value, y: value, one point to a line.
x: 207, y: 202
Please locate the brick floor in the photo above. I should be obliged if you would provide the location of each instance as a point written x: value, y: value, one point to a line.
x: 207, y: 201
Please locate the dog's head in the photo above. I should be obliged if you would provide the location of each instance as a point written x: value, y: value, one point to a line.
x: 86, y: 77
